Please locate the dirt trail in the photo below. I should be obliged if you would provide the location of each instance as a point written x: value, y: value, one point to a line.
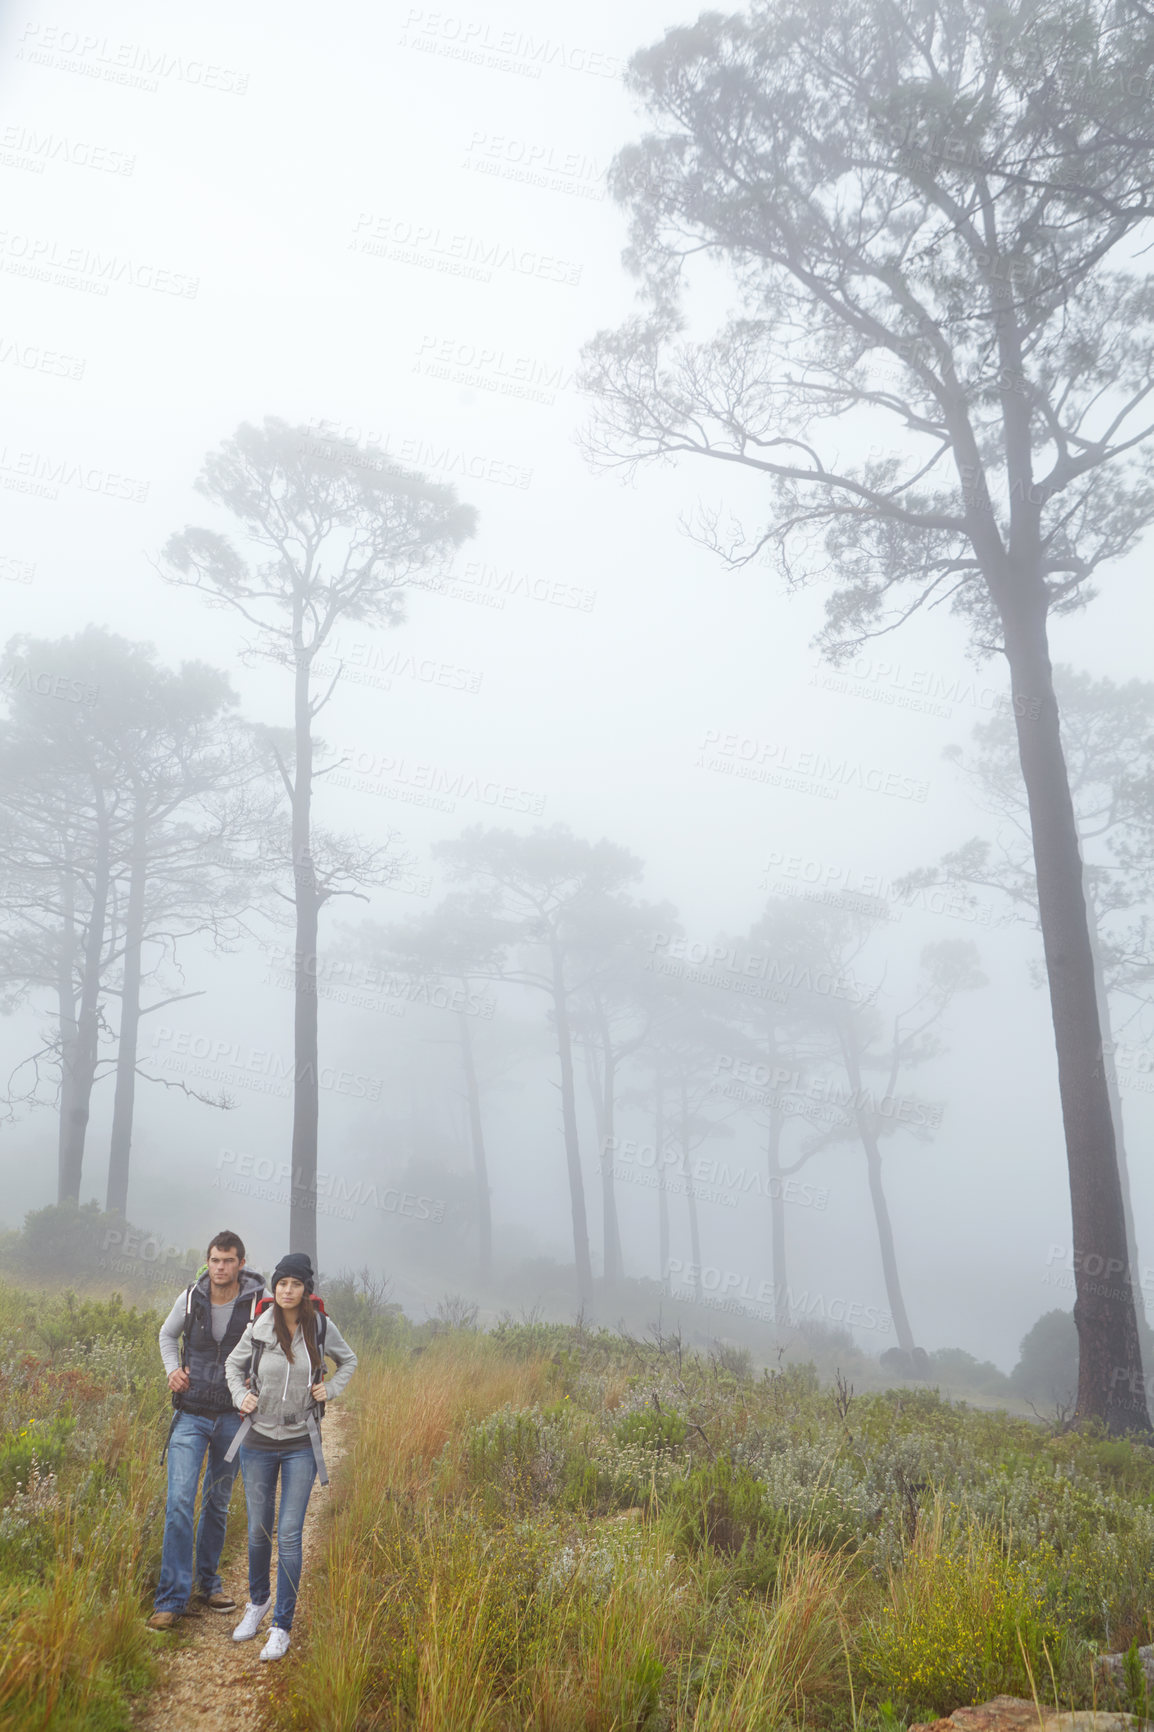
x: 213, y: 1684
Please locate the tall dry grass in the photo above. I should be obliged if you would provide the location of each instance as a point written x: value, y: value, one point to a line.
x: 79, y: 1537
x: 790, y: 1656
x: 438, y: 1614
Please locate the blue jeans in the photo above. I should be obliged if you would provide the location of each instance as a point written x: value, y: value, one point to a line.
x: 297, y: 1470
x: 195, y: 1436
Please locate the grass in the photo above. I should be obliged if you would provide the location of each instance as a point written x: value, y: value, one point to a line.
x: 544, y: 1529
x: 564, y: 1532
x: 82, y: 1414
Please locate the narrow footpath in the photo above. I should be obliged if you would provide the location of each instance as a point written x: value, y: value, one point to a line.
x: 212, y: 1683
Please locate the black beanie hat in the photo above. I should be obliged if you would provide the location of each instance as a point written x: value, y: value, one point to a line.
x: 296, y: 1265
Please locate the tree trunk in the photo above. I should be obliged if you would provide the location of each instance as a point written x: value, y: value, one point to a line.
x: 662, y: 1193
x: 869, y: 1142
x: 306, y: 1082
x: 690, y: 1197
x: 581, y: 1257
x: 116, y: 1201
x: 781, y: 1306
x: 1111, y: 1074
x: 610, y: 1225
x: 79, y: 1064
x: 66, y: 1012
x: 480, y: 1162
x: 1110, y: 1383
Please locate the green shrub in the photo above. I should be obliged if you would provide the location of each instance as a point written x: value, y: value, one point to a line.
x: 725, y: 1510
x: 965, y: 1622
x: 64, y: 1241
x: 1047, y: 1368
x: 652, y: 1429
x: 40, y: 1442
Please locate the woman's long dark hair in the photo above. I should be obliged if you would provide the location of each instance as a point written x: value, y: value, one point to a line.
x: 307, y: 1317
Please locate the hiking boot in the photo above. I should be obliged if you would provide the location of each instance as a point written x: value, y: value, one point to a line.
x: 219, y: 1602
x: 250, y: 1623
x: 163, y: 1620
x: 277, y: 1645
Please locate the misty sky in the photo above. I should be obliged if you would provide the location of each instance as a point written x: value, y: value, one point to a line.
x: 391, y: 220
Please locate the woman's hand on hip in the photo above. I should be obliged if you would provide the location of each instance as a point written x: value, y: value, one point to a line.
x: 250, y: 1403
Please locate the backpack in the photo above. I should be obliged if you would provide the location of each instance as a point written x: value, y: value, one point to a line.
x: 176, y: 1398
x: 261, y: 1304
x: 316, y: 1411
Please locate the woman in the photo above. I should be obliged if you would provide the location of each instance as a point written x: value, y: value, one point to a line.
x: 276, y: 1375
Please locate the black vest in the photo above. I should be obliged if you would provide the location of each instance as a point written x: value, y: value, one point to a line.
x: 204, y: 1357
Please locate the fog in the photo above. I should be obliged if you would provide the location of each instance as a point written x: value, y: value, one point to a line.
x: 390, y: 225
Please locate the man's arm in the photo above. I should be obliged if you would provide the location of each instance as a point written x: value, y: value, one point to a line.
x: 170, y: 1332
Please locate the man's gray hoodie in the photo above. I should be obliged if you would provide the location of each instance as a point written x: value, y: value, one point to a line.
x: 282, y: 1385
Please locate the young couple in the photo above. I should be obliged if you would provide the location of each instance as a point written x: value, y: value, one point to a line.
x: 248, y: 1380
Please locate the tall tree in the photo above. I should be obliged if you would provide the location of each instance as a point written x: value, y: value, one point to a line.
x: 929, y: 209
x: 786, y: 1041
x: 680, y: 1053
x: 336, y: 531
x: 1108, y: 735
x: 120, y: 780
x: 458, y: 941
x: 199, y: 808
x: 543, y: 887
x: 871, y: 1043
x: 614, y: 1015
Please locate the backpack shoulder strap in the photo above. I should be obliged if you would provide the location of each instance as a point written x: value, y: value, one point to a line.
x: 186, y: 1325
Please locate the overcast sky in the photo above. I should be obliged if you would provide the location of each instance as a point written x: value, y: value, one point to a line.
x: 392, y: 220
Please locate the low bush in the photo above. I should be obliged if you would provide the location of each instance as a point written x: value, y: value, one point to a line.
x: 965, y: 1620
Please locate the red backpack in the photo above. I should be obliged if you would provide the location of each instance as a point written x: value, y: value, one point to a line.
x: 260, y: 1304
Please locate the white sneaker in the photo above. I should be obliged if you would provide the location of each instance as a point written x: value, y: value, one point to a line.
x: 277, y: 1645
x: 251, y: 1622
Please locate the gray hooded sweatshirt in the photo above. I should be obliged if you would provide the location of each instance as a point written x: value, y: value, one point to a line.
x: 282, y: 1385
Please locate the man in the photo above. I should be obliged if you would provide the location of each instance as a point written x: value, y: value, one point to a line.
x: 196, y: 1338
